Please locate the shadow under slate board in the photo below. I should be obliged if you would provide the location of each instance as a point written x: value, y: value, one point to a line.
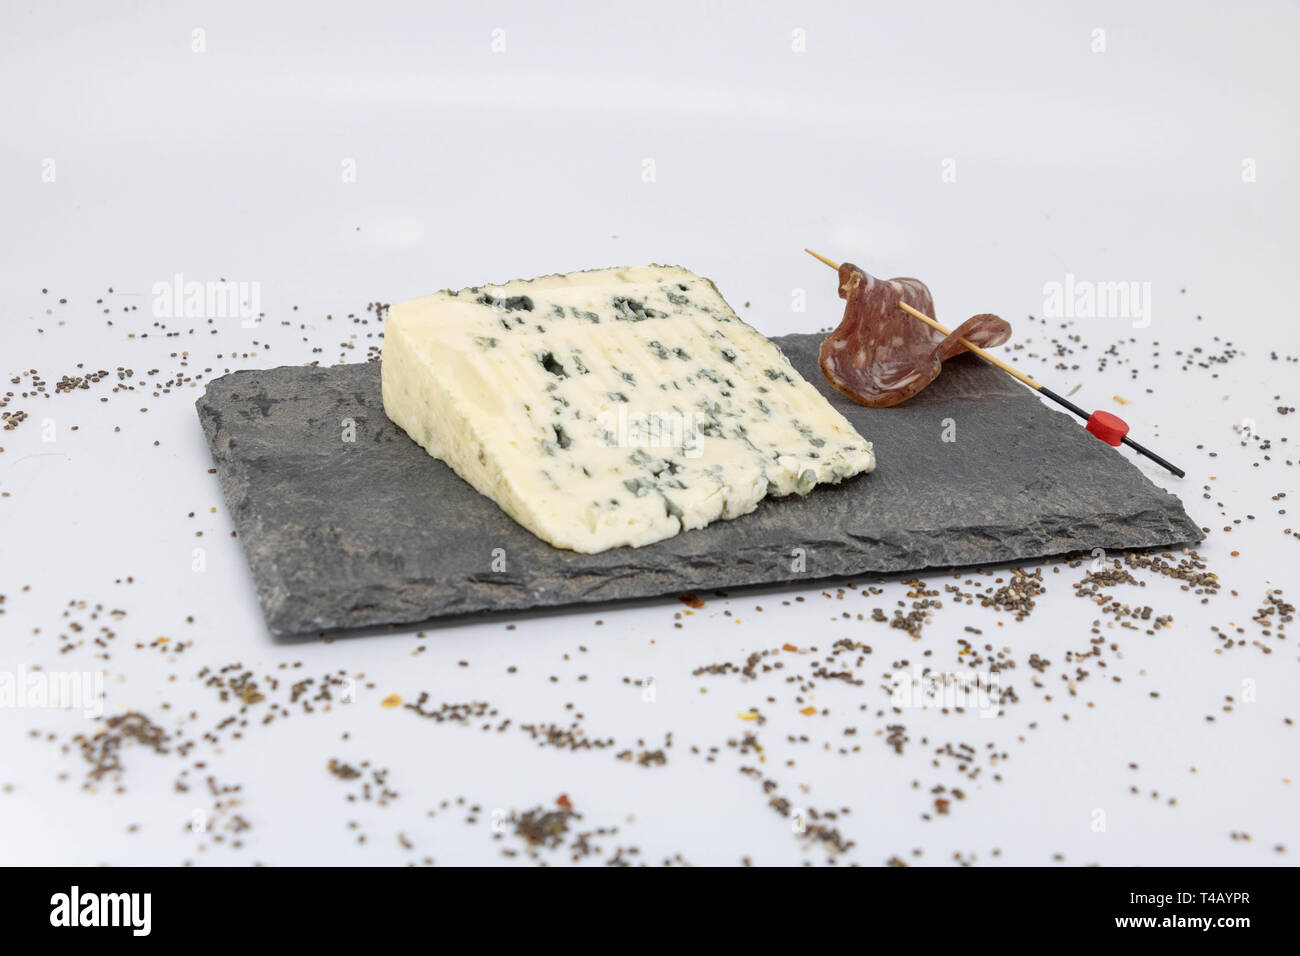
x: 375, y: 531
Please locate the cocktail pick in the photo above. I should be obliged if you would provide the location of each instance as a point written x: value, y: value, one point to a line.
x: 1111, y: 429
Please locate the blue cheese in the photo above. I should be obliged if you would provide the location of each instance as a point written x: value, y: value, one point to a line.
x: 610, y: 408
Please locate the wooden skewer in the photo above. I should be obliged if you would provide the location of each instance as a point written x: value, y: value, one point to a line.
x: 1016, y: 373
x: 818, y: 255
x: 973, y: 347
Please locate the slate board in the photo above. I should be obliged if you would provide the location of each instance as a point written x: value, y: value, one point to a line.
x: 348, y: 534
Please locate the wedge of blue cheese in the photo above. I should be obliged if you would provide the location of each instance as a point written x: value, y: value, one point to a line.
x: 610, y: 408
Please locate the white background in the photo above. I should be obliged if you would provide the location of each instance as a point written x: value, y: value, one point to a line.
x: 1160, y: 150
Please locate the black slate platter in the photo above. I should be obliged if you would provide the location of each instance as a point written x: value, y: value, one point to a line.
x: 344, y: 534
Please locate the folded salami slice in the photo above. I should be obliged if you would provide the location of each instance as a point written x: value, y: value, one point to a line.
x: 880, y: 355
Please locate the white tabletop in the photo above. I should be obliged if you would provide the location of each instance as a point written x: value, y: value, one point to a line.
x: 379, y: 151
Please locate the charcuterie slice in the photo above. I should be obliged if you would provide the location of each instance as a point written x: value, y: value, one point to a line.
x: 879, y: 355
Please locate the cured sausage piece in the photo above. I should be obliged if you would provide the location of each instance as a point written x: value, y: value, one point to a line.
x: 880, y: 356
x: 984, y: 331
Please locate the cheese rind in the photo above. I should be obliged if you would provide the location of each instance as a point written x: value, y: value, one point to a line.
x: 611, y: 407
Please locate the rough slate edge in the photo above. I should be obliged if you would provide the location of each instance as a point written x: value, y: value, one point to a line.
x: 694, y: 560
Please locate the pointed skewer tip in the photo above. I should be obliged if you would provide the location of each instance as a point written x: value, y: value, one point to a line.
x: 816, y: 255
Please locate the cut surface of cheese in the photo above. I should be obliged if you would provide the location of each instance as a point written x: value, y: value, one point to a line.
x: 611, y: 407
